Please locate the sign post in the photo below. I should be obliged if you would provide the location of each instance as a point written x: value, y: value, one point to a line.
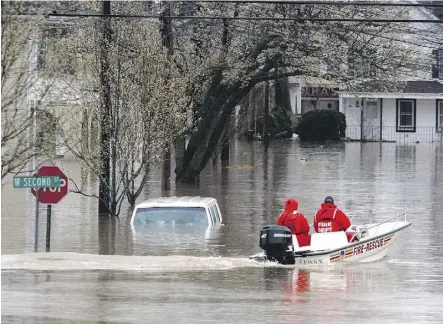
x: 48, y: 228
x: 36, y: 183
x: 36, y: 220
x: 51, y: 195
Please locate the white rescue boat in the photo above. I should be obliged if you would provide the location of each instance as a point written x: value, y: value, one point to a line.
x: 374, y: 241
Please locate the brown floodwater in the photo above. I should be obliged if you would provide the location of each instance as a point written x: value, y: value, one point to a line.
x: 107, y: 271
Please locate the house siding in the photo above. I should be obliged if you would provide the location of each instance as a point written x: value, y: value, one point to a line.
x: 437, y: 116
x: 386, y: 129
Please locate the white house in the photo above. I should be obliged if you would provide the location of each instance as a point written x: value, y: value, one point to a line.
x: 307, y: 95
x: 413, y: 114
x: 55, y: 95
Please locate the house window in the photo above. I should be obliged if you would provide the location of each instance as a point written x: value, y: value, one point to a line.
x: 439, y: 121
x: 406, y: 115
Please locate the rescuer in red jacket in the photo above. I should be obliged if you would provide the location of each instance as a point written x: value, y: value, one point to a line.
x: 296, y: 222
x: 331, y: 219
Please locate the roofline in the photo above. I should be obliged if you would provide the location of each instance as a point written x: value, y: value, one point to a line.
x: 424, y: 10
x: 399, y: 95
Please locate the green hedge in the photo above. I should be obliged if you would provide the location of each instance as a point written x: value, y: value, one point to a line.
x: 321, y: 125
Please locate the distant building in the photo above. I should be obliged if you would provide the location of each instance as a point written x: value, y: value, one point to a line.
x: 307, y: 96
x: 60, y: 104
x: 413, y: 114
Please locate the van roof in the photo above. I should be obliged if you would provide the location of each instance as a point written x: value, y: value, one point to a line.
x: 184, y: 201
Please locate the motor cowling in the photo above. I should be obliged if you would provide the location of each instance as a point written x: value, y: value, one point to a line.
x: 275, y: 240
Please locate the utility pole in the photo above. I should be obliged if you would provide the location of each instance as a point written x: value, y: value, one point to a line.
x: 104, y: 186
x: 266, y: 116
x: 166, y: 33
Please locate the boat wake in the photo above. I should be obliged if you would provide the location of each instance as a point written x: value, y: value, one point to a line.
x: 70, y: 261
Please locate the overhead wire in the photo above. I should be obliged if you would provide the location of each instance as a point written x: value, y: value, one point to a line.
x: 327, y: 3
x: 302, y: 19
x: 366, y: 32
x: 259, y: 5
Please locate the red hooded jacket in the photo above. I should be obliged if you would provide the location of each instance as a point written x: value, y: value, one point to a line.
x: 296, y: 222
x: 330, y: 219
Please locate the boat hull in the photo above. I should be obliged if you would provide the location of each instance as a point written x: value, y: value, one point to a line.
x: 366, y: 250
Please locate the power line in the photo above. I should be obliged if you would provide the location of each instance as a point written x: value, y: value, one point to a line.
x: 327, y: 3
x: 252, y: 18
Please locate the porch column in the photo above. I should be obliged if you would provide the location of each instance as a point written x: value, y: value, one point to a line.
x: 381, y: 119
x: 340, y: 104
x: 298, y: 92
x: 293, y: 97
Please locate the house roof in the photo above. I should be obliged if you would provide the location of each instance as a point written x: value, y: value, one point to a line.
x: 423, y: 87
x: 412, y: 89
x: 435, y: 11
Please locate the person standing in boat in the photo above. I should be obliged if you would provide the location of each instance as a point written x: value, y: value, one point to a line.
x: 296, y: 222
x: 331, y: 219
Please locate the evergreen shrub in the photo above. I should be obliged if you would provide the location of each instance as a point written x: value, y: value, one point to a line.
x: 321, y: 125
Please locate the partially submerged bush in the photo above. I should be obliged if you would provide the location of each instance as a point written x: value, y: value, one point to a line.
x: 321, y: 125
x: 280, y: 122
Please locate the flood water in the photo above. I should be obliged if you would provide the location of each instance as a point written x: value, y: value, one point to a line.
x: 106, y: 271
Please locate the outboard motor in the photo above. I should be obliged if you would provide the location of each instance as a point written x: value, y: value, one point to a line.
x: 276, y: 241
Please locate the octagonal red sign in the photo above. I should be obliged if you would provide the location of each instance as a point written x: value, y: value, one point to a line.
x: 52, y: 196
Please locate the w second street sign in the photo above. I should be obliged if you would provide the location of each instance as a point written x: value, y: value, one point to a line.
x: 37, y: 182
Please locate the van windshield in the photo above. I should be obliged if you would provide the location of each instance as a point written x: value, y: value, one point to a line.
x: 171, y: 215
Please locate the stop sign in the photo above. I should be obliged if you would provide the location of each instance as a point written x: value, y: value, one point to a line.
x: 52, y: 195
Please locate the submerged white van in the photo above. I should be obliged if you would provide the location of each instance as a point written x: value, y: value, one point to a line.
x: 186, y: 210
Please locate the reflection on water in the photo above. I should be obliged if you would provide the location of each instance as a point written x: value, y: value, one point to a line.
x: 373, y: 180
x: 367, y: 293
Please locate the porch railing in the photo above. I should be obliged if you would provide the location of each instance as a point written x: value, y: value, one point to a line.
x: 390, y: 133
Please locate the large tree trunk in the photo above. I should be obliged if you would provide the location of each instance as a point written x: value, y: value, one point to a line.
x: 282, y: 96
x: 179, y: 150
x: 206, y: 139
x: 218, y: 104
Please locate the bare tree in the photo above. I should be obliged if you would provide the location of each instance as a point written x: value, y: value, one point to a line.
x: 149, y: 103
x: 22, y: 93
x: 260, y: 50
x: 34, y: 91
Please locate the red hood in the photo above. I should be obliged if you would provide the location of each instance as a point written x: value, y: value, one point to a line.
x: 328, y: 205
x: 291, y: 205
